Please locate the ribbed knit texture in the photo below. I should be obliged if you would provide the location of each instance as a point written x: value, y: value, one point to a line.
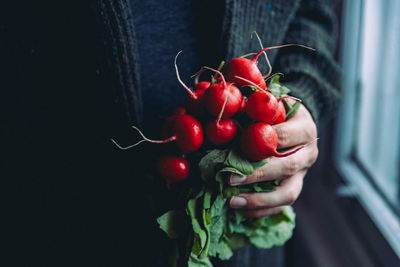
x: 120, y: 42
x: 313, y: 76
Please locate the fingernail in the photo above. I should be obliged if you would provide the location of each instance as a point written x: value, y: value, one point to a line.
x: 236, y: 179
x: 238, y: 202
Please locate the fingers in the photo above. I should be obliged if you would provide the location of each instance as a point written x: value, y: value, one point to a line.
x: 280, y: 168
x: 300, y: 129
x: 286, y: 194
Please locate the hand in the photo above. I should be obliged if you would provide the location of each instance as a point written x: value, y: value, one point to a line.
x: 299, y: 129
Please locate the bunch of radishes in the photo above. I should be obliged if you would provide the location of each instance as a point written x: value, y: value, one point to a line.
x: 209, y: 110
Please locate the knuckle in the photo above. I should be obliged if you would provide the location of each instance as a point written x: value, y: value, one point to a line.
x: 255, y: 201
x: 292, y: 166
x: 291, y: 197
x: 283, y: 135
x: 258, y: 175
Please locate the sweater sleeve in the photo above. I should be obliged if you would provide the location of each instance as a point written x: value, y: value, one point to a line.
x: 313, y: 76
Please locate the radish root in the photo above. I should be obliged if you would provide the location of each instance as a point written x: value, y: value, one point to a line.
x: 193, y: 95
x: 290, y: 97
x: 265, y: 53
x: 222, y: 110
x: 250, y: 82
x: 145, y: 139
x: 211, y: 69
x: 249, y: 54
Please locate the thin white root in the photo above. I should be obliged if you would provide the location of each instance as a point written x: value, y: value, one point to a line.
x: 145, y: 139
x: 275, y: 74
x: 179, y: 78
x: 127, y: 147
x: 290, y: 97
x: 250, y: 82
x: 249, y: 54
x: 222, y: 109
x: 265, y: 53
x: 216, y: 71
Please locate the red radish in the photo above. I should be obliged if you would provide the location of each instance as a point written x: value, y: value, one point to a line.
x: 260, y: 141
x: 281, y: 113
x: 247, y: 68
x: 195, y: 106
x: 194, y: 102
x: 184, y: 129
x: 179, y: 111
x: 262, y: 106
x: 173, y: 169
x: 215, y: 95
x: 221, y: 132
x: 168, y: 126
x: 242, y: 108
x: 203, y: 85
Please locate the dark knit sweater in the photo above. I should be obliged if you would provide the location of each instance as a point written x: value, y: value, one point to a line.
x: 313, y: 76
x: 69, y: 82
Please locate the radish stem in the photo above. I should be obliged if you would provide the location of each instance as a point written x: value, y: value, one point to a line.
x: 193, y: 95
x: 252, y: 83
x: 222, y: 110
x: 254, y: 59
x: 145, y: 139
x: 265, y: 53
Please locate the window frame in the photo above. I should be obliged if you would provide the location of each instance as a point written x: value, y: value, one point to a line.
x: 374, y: 203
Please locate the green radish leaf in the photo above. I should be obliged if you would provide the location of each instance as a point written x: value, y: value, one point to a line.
x: 288, y: 107
x: 236, y: 241
x: 278, y: 90
x: 231, y: 191
x: 258, y: 164
x: 266, y: 186
x: 207, y: 200
x: 206, y: 222
x: 172, y: 223
x: 239, y: 216
x: 275, y: 90
x: 223, y: 174
x: 274, y: 80
x: 194, y: 261
x: 251, y: 87
x: 218, y: 223
x: 273, y: 235
x: 208, y: 164
x: 208, y: 217
x: 200, y: 235
x: 224, y: 250
x: 284, y: 90
x: 292, y: 110
x: 214, y: 77
x: 236, y: 161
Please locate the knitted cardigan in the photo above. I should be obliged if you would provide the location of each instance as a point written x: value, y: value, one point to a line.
x: 69, y: 82
x: 312, y: 76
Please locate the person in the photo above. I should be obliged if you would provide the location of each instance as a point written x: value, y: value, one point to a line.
x: 80, y: 73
